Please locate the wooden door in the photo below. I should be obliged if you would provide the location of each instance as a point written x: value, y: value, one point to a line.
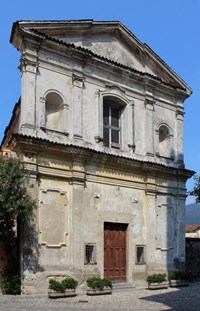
x: 115, y: 251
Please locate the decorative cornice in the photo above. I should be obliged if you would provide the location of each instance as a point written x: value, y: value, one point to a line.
x: 149, y: 104
x: 82, y: 151
x: 89, y: 54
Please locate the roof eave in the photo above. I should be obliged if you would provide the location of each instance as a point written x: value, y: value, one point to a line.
x: 145, y: 165
x: 170, y: 71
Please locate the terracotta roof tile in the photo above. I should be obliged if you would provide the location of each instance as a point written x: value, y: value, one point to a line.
x: 104, y: 153
x: 90, y: 53
x: 192, y: 228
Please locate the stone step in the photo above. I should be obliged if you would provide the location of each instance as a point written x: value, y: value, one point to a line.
x: 122, y: 286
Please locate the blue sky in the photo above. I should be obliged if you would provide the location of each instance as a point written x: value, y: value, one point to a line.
x: 170, y: 27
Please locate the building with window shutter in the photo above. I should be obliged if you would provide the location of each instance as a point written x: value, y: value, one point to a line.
x: 100, y: 127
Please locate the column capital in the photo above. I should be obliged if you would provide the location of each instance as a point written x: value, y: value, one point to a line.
x: 149, y: 104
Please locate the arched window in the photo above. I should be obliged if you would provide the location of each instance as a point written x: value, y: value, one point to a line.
x: 112, y: 110
x: 53, y: 111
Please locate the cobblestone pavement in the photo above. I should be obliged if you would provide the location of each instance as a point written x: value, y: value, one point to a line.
x: 178, y: 299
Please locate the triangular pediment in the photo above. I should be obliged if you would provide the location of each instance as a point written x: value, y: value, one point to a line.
x: 111, y: 40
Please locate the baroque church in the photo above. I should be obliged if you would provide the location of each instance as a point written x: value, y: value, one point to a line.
x: 99, y: 125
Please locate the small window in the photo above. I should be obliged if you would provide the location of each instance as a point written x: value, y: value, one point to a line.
x: 140, y: 254
x: 111, y: 124
x: 90, y: 254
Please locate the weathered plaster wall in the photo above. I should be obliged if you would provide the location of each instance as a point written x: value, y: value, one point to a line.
x: 82, y: 90
x: 78, y: 189
x: 76, y: 196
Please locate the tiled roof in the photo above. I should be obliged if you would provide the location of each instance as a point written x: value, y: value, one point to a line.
x: 115, y: 157
x: 102, y: 58
x: 192, y: 228
x: 25, y: 28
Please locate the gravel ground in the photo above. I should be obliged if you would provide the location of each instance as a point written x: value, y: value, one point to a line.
x: 178, y: 299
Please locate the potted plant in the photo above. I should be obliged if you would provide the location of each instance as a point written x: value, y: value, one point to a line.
x: 178, y: 278
x: 157, y: 281
x: 64, y: 288
x: 98, y: 286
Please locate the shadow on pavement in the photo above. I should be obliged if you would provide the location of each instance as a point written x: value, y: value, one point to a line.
x: 178, y: 299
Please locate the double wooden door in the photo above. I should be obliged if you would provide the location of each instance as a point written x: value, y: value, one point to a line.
x: 115, y: 251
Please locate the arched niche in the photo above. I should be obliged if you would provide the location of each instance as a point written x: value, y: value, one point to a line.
x: 165, y: 141
x: 53, y: 111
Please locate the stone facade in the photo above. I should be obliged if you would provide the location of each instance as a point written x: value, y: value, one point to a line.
x: 100, y: 127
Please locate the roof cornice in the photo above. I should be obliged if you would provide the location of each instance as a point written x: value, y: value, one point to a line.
x: 34, y: 28
x: 86, y: 151
x: 83, y: 51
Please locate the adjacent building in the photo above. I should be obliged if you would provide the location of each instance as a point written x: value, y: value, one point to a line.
x: 192, y: 231
x: 100, y: 127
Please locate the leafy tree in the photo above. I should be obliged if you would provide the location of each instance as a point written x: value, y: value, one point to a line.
x: 15, y: 202
x: 16, y: 206
x: 196, y: 190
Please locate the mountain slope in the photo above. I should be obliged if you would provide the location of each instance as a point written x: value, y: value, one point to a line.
x: 192, y: 214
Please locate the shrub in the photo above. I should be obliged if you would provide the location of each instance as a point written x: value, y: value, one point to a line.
x: 67, y: 283
x: 107, y: 283
x: 11, y: 283
x: 156, y: 278
x: 179, y: 275
x: 98, y: 283
x: 56, y: 286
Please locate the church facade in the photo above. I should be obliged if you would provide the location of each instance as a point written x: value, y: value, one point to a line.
x: 99, y: 126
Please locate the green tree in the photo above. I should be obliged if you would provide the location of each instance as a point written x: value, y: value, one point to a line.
x: 16, y: 206
x: 196, y: 190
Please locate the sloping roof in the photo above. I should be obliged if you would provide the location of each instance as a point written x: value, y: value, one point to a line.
x: 49, y: 31
x: 192, y: 228
x: 90, y: 152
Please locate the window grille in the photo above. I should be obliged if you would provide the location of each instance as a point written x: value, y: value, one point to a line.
x: 140, y: 254
x: 90, y: 253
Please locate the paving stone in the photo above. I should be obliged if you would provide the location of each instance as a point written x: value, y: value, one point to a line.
x: 171, y: 299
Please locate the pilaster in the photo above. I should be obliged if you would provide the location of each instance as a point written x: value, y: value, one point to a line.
x: 149, y: 122
x: 28, y: 68
x: 78, y: 84
x: 151, y: 192
x: 77, y: 210
x: 179, y: 234
x: 131, y: 122
x: 179, y: 145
